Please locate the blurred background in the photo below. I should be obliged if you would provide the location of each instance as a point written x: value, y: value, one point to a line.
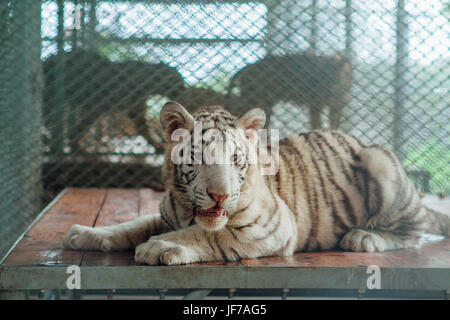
x: 82, y: 83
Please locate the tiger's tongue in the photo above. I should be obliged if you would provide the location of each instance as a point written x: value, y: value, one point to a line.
x: 212, y: 212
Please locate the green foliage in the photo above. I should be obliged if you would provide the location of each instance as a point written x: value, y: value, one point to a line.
x: 220, y: 82
x: 445, y: 11
x: 155, y: 104
x: 434, y: 157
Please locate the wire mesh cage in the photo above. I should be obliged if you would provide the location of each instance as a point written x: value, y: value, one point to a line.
x: 82, y: 83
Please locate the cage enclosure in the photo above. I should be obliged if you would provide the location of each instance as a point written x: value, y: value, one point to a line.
x: 82, y: 83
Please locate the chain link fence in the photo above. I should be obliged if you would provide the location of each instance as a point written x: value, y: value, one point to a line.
x: 81, y: 107
x: 21, y: 86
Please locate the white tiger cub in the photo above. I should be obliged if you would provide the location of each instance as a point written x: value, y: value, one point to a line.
x: 330, y: 190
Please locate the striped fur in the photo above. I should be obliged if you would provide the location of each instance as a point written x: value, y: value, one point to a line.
x: 330, y: 190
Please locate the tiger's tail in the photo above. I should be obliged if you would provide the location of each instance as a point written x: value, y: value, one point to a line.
x: 438, y: 223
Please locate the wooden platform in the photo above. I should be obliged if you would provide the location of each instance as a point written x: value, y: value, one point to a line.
x: 37, y: 261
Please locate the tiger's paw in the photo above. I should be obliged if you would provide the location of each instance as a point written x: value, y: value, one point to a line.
x: 87, y: 238
x: 156, y: 251
x: 360, y: 240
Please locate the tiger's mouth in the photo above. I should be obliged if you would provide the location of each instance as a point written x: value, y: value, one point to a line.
x: 213, y: 212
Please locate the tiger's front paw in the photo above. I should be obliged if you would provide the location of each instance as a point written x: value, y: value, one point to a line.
x: 362, y: 241
x: 156, y: 251
x: 87, y: 238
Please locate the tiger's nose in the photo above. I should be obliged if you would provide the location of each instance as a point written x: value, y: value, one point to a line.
x: 217, y: 197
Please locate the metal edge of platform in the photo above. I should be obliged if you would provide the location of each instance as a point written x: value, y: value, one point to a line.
x: 215, y: 277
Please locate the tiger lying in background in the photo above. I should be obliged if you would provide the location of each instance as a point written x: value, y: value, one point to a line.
x: 330, y: 190
x: 94, y: 87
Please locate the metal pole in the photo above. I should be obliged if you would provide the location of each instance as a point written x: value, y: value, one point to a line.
x: 348, y: 28
x: 313, y: 40
x: 57, y: 110
x: 401, y: 67
x: 92, y: 24
x: 83, y: 24
x: 4, y: 18
x: 76, y: 26
x: 270, y: 27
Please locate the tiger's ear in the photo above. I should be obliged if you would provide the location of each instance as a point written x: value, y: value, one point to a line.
x: 174, y: 116
x: 251, y: 121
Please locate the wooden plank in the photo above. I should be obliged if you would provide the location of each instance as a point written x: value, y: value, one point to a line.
x: 121, y: 205
x: 118, y: 258
x: 41, y: 245
x: 148, y: 203
x: 218, y: 263
x: 52, y: 257
x: 430, y: 255
x: 322, y: 259
x: 78, y: 206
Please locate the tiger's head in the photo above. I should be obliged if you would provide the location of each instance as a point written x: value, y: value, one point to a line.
x: 208, y: 159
